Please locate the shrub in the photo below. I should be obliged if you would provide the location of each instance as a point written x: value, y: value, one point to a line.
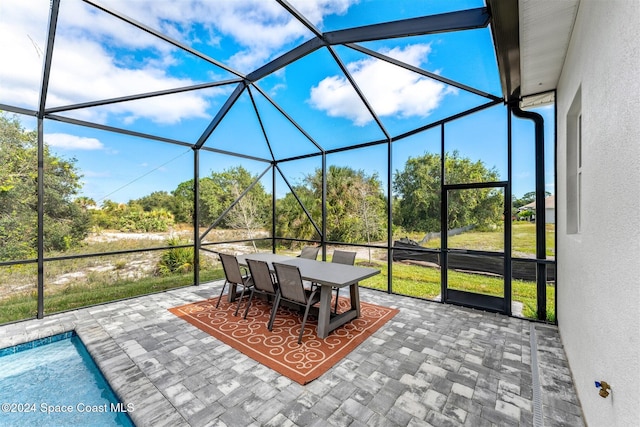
x: 132, y: 218
x: 175, y: 260
x: 135, y: 220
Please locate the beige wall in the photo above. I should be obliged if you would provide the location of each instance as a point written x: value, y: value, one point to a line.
x: 599, y: 267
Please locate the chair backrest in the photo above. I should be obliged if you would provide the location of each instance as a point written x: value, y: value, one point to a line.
x: 231, y: 268
x: 261, y: 276
x: 344, y: 257
x: 290, y: 283
x: 309, y: 252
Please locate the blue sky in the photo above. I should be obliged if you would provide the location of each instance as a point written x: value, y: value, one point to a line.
x: 99, y: 57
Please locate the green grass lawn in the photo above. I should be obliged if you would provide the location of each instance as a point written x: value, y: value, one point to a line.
x: 523, y: 240
x: 424, y: 282
x: 412, y: 280
x: 24, y: 305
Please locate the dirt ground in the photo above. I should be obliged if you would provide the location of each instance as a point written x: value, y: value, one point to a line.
x: 136, y: 265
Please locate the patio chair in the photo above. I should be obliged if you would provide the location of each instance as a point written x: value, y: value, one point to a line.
x: 309, y: 252
x: 262, y: 281
x: 342, y: 257
x: 233, y: 276
x: 291, y: 289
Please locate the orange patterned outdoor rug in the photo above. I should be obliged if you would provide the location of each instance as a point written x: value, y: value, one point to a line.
x: 279, y: 349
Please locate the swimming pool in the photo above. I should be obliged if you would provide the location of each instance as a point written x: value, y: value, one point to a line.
x: 54, y: 381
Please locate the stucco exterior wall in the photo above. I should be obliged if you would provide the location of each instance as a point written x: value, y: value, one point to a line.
x: 598, y: 268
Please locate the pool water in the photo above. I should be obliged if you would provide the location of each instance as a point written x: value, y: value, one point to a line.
x: 54, y: 381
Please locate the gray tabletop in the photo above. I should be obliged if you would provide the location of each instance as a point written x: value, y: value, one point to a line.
x: 331, y: 274
x: 324, y: 273
x: 263, y: 256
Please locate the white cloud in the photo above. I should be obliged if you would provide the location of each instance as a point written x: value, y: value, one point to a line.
x: 88, y: 63
x: 316, y: 10
x: 72, y: 142
x: 22, y: 35
x: 85, y: 68
x: 81, y: 67
x: 260, y: 28
x: 276, y: 88
x: 390, y: 90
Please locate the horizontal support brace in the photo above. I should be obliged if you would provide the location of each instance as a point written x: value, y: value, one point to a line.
x: 472, y: 185
x: 453, y: 21
x: 286, y: 59
x: 231, y: 153
x: 116, y: 130
x: 141, y: 96
x: 18, y: 110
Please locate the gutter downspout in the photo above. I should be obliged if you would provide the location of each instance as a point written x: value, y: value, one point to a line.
x: 541, y: 249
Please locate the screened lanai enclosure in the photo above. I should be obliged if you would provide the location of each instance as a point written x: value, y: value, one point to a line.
x: 139, y: 139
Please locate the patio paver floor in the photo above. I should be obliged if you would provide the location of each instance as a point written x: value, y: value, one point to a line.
x: 432, y: 364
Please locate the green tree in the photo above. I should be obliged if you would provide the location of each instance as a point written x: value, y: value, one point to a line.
x: 291, y: 220
x: 183, y: 197
x: 156, y: 201
x: 417, y: 189
x: 227, y: 187
x: 217, y: 193
x: 209, y: 202
x: 85, y: 202
x: 18, y: 186
x: 65, y: 223
x: 418, y: 194
x: 355, y: 207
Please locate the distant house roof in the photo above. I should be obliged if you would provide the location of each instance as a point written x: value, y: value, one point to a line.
x: 549, y: 203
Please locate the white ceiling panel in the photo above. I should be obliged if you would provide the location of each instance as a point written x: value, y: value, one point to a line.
x: 545, y: 32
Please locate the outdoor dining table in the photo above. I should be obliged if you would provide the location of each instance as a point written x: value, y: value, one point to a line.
x: 327, y: 275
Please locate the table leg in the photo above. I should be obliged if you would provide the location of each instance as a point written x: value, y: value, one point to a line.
x: 355, y: 298
x: 324, y: 311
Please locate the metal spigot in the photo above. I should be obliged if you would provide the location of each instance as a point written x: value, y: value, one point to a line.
x: 604, y: 388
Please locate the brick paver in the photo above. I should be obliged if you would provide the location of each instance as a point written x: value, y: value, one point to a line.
x: 432, y: 364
